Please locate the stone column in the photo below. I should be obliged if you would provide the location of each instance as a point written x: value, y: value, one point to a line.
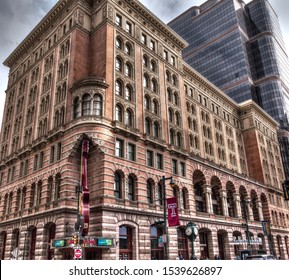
x: 208, y: 196
x: 249, y: 209
x: 237, y: 202
x: 223, y: 194
x: 260, y: 212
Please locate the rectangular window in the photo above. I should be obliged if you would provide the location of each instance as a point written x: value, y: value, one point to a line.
x: 41, y: 159
x: 153, y: 45
x: 128, y: 28
x: 183, y: 169
x: 52, y: 151
x: 160, y: 161
x: 26, y: 167
x: 166, y: 55
x: 59, y: 150
x: 13, y: 173
x: 35, y: 164
x: 150, y: 158
x: 174, y: 166
x: 9, y: 175
x: 144, y: 39
x: 173, y: 60
x: 131, y: 152
x: 118, y: 20
x: 119, y: 152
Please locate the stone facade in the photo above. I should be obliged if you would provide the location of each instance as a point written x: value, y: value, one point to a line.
x: 111, y: 73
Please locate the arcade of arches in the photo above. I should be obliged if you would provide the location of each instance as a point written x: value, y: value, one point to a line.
x: 132, y: 244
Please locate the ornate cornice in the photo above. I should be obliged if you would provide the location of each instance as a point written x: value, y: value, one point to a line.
x: 89, y: 81
x: 251, y: 105
x: 154, y: 20
x: 187, y: 69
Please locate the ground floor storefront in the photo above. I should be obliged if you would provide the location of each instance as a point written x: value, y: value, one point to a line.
x: 134, y: 236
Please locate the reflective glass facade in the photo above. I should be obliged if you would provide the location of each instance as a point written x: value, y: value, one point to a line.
x: 240, y: 49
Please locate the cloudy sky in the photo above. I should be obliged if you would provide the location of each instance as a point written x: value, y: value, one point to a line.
x: 19, y: 17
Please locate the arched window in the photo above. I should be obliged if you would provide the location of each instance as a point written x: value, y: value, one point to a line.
x: 86, y: 105
x: 176, y: 99
x: 174, y: 80
x: 156, y: 129
x: 179, y: 140
x: 128, y: 93
x: 171, y: 115
x: 146, y: 81
x: 145, y: 61
x: 147, y: 126
x: 118, y: 43
x: 128, y: 118
x: 155, y: 107
x: 153, y: 66
x: 199, y: 198
x: 184, y: 198
x: 118, y: 64
x: 50, y: 189
x: 150, y: 192
x: 147, y: 103
x: 117, y: 185
x: 157, y: 253
x: 131, y: 188
x: 76, y: 108
x: 177, y: 118
x: 128, y: 49
x: 32, y: 245
x: 125, y: 243
x: 183, y: 251
x: 128, y: 70
x: 57, y: 186
x: 168, y: 76
x: 118, y: 88
x: 154, y: 85
x: 118, y: 113
x: 97, y: 105
x: 172, y: 137
x: 169, y: 94
x: 160, y: 194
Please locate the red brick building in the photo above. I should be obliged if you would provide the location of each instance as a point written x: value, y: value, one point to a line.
x: 111, y: 73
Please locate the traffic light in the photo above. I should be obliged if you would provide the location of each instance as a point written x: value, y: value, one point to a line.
x: 75, y: 239
x: 286, y: 189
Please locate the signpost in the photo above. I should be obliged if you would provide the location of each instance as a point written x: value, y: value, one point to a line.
x: 77, y: 253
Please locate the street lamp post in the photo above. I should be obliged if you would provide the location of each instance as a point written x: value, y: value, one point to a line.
x: 166, y: 256
x: 192, y: 233
x: 24, y: 249
x: 246, y: 223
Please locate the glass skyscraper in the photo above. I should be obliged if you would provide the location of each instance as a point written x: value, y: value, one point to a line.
x: 239, y: 47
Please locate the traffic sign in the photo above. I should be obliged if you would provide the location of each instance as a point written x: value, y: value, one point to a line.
x: 77, y: 253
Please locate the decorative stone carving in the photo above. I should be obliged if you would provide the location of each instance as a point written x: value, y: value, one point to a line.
x: 81, y: 18
x: 107, y: 13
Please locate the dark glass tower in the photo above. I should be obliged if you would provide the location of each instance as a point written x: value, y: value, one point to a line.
x: 239, y: 47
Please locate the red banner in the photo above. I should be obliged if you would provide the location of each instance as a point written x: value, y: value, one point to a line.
x: 173, y: 216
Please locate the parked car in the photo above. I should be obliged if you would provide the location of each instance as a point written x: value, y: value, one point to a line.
x: 260, y: 257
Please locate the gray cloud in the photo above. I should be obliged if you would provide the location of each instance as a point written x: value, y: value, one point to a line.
x: 5, y: 10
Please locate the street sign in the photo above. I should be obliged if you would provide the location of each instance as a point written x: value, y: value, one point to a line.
x: 104, y: 242
x: 77, y: 253
x: 58, y: 243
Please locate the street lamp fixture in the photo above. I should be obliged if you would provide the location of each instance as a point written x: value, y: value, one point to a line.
x: 172, y: 183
